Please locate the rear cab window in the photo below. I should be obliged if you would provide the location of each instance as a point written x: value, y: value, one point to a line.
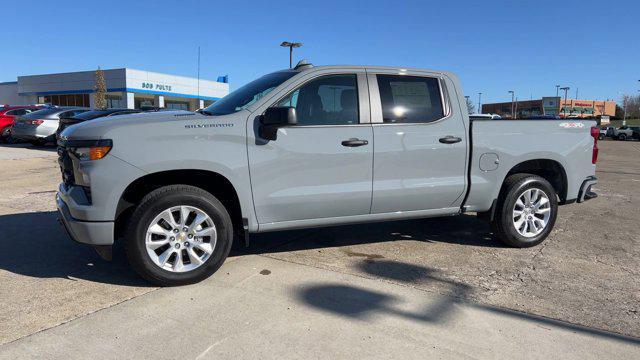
x: 410, y: 99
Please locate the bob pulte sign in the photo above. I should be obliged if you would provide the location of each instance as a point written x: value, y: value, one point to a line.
x: 157, y: 87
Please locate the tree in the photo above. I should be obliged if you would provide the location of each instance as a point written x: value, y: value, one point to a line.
x: 100, y: 90
x: 471, y: 107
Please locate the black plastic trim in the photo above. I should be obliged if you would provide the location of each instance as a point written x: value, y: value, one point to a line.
x: 85, y: 143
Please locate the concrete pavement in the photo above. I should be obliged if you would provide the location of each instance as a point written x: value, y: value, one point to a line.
x: 263, y: 308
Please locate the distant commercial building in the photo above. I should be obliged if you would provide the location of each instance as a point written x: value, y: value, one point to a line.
x: 554, y: 106
x: 126, y: 88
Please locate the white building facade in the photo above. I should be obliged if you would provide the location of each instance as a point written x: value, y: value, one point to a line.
x: 126, y: 88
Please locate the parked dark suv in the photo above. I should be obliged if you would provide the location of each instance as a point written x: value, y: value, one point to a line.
x: 90, y: 115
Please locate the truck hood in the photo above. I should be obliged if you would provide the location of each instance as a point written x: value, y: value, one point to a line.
x: 100, y: 128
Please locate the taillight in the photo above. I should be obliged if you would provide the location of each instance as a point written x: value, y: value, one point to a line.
x: 595, y: 133
x: 35, y: 122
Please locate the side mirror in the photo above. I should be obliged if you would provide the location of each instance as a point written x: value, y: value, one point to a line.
x: 274, y: 118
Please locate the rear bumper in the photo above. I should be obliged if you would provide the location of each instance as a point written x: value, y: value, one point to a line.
x: 586, y: 193
x: 86, y: 232
x: 31, y: 132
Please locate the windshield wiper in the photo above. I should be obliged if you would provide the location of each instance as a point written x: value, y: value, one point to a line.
x: 205, y: 112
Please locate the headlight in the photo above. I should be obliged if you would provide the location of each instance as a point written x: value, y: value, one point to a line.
x: 88, y: 149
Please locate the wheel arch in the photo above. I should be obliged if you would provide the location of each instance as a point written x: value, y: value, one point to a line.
x: 549, y: 169
x: 215, y: 183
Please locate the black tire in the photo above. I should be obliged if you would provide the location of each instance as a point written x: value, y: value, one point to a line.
x: 154, y: 203
x: 5, y: 136
x: 622, y: 137
x: 601, y: 137
x: 38, y: 142
x: 503, y: 225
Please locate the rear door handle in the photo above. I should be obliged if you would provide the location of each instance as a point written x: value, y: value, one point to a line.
x: 450, y: 139
x: 353, y: 142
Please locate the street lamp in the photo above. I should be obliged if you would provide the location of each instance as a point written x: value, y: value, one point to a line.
x: 290, y: 45
x: 479, y: 100
x: 565, y: 89
x: 513, y: 95
x: 557, y: 89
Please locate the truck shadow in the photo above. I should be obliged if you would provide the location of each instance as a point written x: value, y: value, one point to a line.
x: 35, y: 245
x: 465, y: 230
x: 362, y: 303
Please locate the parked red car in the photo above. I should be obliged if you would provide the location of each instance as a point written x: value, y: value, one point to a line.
x: 7, y: 114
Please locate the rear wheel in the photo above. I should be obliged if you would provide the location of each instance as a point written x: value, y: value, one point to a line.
x: 38, y: 142
x: 178, y: 235
x: 526, y: 210
x: 622, y: 137
x: 5, y: 136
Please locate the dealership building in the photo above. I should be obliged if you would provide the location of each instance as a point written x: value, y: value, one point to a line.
x: 126, y: 88
x: 554, y: 106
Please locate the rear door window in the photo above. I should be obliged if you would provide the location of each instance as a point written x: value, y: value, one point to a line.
x: 410, y: 99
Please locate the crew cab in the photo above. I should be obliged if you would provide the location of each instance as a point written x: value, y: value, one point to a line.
x: 308, y: 147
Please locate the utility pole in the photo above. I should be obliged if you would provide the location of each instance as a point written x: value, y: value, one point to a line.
x: 557, y: 89
x: 479, y: 101
x: 565, y: 89
x: 291, y: 45
x: 513, y: 110
x: 576, y: 93
x: 198, y: 76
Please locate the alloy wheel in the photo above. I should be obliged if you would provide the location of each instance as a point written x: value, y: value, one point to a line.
x: 181, y: 238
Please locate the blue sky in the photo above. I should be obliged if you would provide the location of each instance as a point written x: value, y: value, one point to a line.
x: 494, y: 46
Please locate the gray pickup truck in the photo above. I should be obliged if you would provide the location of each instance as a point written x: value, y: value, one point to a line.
x: 312, y: 146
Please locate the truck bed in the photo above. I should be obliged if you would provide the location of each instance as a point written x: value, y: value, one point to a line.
x: 497, y: 146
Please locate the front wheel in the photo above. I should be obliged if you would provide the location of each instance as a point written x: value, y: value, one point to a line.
x: 526, y: 211
x: 179, y: 234
x: 622, y: 137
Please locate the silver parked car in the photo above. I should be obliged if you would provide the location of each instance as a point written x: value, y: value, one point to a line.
x: 39, y: 127
x: 625, y: 132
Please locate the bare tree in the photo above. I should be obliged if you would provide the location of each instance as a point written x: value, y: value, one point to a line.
x: 100, y: 90
x: 471, y: 107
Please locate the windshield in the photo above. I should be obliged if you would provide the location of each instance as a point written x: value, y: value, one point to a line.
x: 248, y: 94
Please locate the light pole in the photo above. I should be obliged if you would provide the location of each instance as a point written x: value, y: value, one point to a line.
x: 557, y: 89
x: 513, y: 96
x: 565, y: 89
x: 479, y: 100
x: 290, y: 45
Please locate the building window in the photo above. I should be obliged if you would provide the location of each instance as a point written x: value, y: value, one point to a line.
x: 67, y: 100
x: 114, y: 101
x: 177, y: 105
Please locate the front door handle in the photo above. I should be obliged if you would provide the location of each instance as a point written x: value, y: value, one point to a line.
x: 353, y: 142
x: 450, y: 139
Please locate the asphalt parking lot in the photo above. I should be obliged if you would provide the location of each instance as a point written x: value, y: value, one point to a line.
x: 579, y: 290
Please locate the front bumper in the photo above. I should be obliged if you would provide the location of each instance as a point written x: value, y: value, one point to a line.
x: 586, y: 193
x: 95, y: 233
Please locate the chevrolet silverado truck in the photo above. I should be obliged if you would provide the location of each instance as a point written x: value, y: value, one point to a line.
x: 308, y: 147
